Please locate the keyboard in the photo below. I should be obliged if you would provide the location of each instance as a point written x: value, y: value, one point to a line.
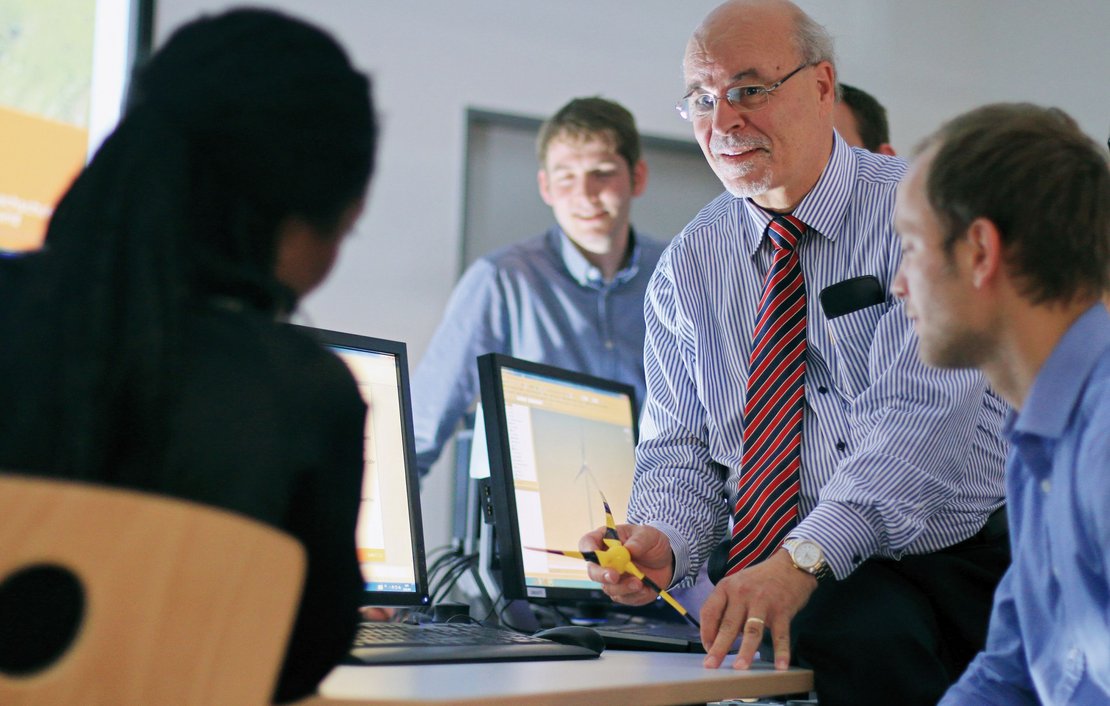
x: 404, y: 643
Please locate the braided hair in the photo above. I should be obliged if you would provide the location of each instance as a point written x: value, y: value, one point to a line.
x: 240, y: 121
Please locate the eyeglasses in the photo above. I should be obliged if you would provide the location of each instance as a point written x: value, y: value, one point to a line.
x: 746, y: 99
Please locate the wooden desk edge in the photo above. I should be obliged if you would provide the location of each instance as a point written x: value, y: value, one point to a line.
x: 755, y: 684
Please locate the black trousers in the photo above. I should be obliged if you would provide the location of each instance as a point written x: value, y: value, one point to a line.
x: 900, y: 632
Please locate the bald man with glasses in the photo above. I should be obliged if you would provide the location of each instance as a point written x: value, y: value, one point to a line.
x: 791, y: 438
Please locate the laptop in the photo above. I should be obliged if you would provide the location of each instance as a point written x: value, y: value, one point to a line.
x: 556, y: 441
x: 389, y: 535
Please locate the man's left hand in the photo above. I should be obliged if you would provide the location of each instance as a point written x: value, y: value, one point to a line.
x: 764, y: 596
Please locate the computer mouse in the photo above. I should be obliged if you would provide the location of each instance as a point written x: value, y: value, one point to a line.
x: 575, y: 635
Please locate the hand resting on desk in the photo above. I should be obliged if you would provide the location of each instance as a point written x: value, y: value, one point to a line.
x: 763, y: 596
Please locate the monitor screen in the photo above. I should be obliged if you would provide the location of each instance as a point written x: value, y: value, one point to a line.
x: 558, y: 441
x: 389, y: 536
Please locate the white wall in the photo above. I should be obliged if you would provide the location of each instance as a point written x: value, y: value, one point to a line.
x: 431, y: 59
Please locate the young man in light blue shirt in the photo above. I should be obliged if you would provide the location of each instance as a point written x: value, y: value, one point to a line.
x: 571, y: 297
x: 1005, y: 226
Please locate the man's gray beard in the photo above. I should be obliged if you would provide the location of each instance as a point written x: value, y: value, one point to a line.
x: 747, y: 188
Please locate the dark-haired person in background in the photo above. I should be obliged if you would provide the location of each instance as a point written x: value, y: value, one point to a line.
x: 861, y: 120
x: 571, y: 297
x: 1005, y: 226
x: 145, y: 346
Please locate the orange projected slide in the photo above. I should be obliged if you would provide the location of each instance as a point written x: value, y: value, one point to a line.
x: 40, y: 157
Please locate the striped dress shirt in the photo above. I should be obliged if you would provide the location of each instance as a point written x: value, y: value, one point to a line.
x: 897, y: 458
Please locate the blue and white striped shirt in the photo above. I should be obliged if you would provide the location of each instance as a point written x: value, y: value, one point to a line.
x: 897, y: 458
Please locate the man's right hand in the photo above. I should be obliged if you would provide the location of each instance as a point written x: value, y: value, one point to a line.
x: 649, y: 549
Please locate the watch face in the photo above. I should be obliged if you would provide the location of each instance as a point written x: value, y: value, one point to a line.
x: 807, y: 555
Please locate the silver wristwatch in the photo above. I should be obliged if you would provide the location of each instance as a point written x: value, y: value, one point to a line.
x: 808, y: 556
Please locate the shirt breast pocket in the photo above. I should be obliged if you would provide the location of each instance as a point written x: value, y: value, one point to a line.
x: 852, y: 335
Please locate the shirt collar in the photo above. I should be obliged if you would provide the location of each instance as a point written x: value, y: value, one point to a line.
x: 823, y: 208
x: 1059, y: 383
x: 584, y: 272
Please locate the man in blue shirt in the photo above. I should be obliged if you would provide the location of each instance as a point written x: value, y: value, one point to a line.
x: 572, y: 297
x: 881, y: 571
x: 1005, y: 226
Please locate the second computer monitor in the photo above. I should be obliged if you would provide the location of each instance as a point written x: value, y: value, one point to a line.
x: 558, y: 442
x: 389, y: 537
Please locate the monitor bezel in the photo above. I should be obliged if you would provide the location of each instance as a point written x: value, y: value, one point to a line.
x: 421, y: 596
x: 502, y: 488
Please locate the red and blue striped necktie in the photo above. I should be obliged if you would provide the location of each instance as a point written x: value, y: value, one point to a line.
x: 767, y: 497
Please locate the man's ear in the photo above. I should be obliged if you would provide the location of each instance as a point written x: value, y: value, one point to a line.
x: 826, y: 83
x: 985, y: 252
x: 639, y: 178
x: 541, y: 180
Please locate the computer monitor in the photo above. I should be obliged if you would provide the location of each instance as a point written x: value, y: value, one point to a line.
x: 557, y: 442
x: 389, y: 537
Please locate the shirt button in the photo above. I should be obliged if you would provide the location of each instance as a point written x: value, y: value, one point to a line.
x: 609, y: 345
x: 1046, y: 486
x: 840, y: 445
x: 822, y: 389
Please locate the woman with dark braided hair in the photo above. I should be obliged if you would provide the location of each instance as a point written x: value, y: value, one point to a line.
x: 144, y: 345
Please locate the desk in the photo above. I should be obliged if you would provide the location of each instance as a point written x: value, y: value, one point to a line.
x: 617, y: 677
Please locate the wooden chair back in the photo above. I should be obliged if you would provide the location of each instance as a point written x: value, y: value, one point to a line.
x: 167, y: 601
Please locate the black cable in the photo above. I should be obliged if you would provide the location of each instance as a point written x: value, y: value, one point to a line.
x: 447, y: 577
x: 492, y: 607
x: 445, y: 553
x: 456, y: 572
x: 437, y: 568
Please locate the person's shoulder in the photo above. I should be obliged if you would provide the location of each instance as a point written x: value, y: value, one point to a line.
x: 1096, y: 392
x: 298, y: 345
x: 278, y: 355
x: 521, y: 254
x: 648, y: 241
x: 524, y: 264
x: 1091, y: 426
x: 711, y: 222
x: 304, y: 352
x: 879, y: 169
x: 869, y: 199
x: 705, y: 233
x: 651, y: 248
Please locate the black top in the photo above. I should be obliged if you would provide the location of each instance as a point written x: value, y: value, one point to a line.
x: 267, y: 423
